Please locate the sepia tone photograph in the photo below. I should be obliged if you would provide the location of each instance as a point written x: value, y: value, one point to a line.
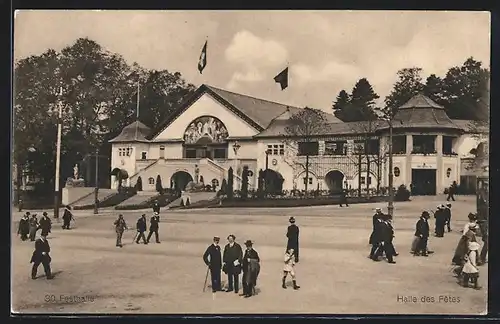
x: 250, y: 162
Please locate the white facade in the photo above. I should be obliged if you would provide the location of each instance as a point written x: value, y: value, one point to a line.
x: 167, y: 155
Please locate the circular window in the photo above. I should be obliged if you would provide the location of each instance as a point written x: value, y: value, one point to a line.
x: 397, y: 172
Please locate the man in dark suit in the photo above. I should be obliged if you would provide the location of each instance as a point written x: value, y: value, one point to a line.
x: 213, y: 259
x: 153, y: 227
x: 251, y: 269
x: 293, y: 238
x: 67, y: 217
x: 447, y: 213
x: 141, y: 228
x: 343, y: 198
x: 41, y: 255
x: 33, y: 227
x: 386, y: 236
x: 440, y: 220
x: 452, y: 191
x: 24, y: 227
x: 45, y: 224
x: 422, y: 231
x: 232, y: 258
x: 375, y: 236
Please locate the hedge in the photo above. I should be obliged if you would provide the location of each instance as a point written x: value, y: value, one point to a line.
x: 163, y: 200
x: 111, y: 201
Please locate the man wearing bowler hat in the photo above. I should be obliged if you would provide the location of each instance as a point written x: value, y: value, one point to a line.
x: 293, y: 238
x: 213, y: 259
x: 232, y: 258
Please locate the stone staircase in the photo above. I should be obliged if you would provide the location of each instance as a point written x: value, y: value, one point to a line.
x: 89, y: 199
x: 140, y: 197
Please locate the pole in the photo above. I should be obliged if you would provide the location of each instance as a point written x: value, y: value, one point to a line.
x: 58, y: 157
x: 137, y: 108
x: 96, y: 189
x: 390, y: 207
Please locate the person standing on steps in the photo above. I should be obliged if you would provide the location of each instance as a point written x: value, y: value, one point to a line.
x: 213, y: 259
x: 293, y: 238
x: 67, y: 217
x: 289, y: 269
x: 232, y: 258
x: 447, y: 214
x: 33, y: 227
x: 120, y: 227
x: 24, y: 227
x: 153, y: 227
x: 141, y: 228
x: 41, y: 255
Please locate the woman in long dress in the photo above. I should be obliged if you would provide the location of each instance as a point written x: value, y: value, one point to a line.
x: 468, y: 235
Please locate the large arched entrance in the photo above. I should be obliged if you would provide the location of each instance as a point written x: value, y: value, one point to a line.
x: 179, y: 180
x: 273, y: 181
x: 334, y: 181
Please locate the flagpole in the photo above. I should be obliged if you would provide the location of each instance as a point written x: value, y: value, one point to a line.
x: 137, y: 108
x: 58, y: 155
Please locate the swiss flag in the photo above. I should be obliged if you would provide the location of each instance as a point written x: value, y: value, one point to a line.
x: 203, y: 58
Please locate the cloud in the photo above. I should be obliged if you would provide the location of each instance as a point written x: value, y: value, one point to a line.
x: 253, y: 56
x: 330, y: 71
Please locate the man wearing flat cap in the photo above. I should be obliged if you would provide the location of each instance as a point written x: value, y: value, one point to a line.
x: 232, y: 258
x: 293, y: 238
x: 213, y: 259
x: 251, y: 269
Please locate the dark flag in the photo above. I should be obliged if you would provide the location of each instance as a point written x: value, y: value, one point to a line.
x: 203, y: 58
x: 282, y: 79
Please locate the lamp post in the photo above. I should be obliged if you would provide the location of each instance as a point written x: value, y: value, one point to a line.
x: 268, y: 151
x: 96, y: 189
x: 390, y: 205
x: 58, y: 156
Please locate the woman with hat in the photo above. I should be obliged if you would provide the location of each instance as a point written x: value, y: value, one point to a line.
x: 470, y: 271
x: 251, y: 269
x: 293, y: 238
x: 468, y: 235
x: 440, y: 222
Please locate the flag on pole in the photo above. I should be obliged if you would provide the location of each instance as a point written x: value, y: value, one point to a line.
x: 282, y: 78
x: 203, y: 58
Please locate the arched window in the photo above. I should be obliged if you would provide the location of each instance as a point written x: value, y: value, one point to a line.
x: 151, y: 181
x: 397, y: 172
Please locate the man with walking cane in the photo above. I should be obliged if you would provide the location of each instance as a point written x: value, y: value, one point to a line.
x: 141, y: 228
x: 120, y: 227
x: 213, y: 259
x: 153, y: 227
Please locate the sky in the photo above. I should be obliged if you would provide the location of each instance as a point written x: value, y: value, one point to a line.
x: 326, y: 51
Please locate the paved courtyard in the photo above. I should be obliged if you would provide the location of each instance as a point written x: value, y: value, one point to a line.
x: 334, y: 273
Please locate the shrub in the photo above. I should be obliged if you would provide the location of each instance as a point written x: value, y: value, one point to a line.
x: 159, y: 186
x: 244, y: 183
x: 230, y: 185
x: 138, y: 185
x: 402, y: 193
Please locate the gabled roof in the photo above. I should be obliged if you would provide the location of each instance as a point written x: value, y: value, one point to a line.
x: 257, y: 112
x: 135, y: 132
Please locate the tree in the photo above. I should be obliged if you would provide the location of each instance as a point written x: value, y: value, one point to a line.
x: 159, y: 186
x: 223, y: 187
x: 408, y: 85
x: 363, y: 101
x: 260, y: 184
x: 138, y: 185
x: 341, y: 104
x: 304, y: 126
x: 244, y: 182
x: 434, y: 89
x: 230, y: 184
x: 463, y: 87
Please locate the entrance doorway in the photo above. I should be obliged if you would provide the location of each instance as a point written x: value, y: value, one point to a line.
x: 179, y: 180
x: 423, y: 182
x: 334, y: 180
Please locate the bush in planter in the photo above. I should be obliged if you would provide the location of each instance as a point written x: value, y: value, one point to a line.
x: 159, y: 186
x: 402, y: 194
x: 138, y: 185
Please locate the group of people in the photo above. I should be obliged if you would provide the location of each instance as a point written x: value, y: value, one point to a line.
x: 467, y: 257
x: 233, y: 261
x: 141, y: 227
x: 28, y: 227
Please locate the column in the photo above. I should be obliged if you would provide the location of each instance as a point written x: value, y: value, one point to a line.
x: 408, y: 169
x: 439, y: 165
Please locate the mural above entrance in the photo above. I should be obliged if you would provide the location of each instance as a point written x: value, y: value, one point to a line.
x: 207, y: 129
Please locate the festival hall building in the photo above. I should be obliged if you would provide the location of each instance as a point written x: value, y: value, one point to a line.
x: 216, y: 129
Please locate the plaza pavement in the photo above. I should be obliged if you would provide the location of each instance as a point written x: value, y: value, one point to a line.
x: 334, y: 273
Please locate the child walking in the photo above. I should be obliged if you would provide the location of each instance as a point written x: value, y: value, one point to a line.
x: 288, y: 269
x: 470, y: 271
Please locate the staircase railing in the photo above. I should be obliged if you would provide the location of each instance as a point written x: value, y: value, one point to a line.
x: 224, y: 170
